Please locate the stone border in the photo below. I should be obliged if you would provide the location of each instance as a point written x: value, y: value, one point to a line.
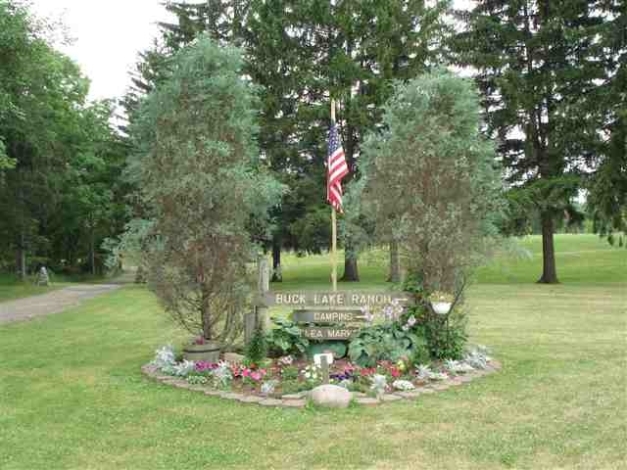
x: 299, y: 400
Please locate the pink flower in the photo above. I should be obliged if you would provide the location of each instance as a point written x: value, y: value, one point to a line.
x: 256, y: 376
x: 246, y: 373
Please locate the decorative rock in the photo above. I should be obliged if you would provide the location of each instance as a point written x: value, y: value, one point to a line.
x: 294, y: 396
x: 270, y: 402
x: 213, y: 392
x: 233, y: 358
x: 330, y: 395
x: 409, y: 394
x: 391, y: 397
x: 425, y: 390
x: 250, y: 399
x: 367, y: 401
x: 231, y: 395
x: 293, y: 403
x: 440, y: 386
x: 464, y: 379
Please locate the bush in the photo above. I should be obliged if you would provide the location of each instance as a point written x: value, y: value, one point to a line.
x: 286, y: 338
x: 382, y: 342
x: 257, y: 347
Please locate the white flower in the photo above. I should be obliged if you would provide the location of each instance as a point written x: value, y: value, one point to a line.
x: 403, y: 385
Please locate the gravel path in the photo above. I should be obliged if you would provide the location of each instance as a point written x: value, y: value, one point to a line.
x: 52, y: 302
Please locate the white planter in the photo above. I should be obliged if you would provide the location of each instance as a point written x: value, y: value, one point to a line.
x: 441, y: 308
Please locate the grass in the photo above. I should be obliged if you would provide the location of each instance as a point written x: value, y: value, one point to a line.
x: 12, y: 288
x: 72, y: 396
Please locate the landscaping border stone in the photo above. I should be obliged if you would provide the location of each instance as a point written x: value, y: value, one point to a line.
x: 299, y: 400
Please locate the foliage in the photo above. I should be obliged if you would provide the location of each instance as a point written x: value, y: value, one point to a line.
x: 257, y: 347
x: 60, y: 159
x: 542, y: 102
x: 164, y: 357
x: 403, y: 385
x: 387, y: 341
x: 379, y: 384
x: 431, y: 172
x: 267, y: 388
x: 203, y: 182
x: 458, y: 367
x: 300, y: 53
x: 445, y: 334
x: 312, y: 374
x: 286, y: 338
x: 289, y: 373
x: 477, y: 357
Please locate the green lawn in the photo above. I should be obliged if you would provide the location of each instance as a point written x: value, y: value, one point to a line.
x: 12, y: 288
x: 72, y: 396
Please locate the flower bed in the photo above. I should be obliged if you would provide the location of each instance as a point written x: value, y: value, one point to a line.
x: 286, y: 381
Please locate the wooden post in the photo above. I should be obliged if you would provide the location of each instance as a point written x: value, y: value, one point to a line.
x: 333, y: 226
x: 324, y: 366
x: 263, y: 286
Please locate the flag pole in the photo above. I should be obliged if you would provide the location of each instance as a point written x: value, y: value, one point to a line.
x: 333, y: 225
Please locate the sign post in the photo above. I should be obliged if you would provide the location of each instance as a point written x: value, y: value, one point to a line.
x: 333, y: 225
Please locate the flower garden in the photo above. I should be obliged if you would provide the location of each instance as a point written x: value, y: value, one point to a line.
x: 397, y: 353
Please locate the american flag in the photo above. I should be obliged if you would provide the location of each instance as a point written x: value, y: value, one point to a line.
x: 336, y: 169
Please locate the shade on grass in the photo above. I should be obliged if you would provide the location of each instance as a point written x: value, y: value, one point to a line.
x: 72, y: 396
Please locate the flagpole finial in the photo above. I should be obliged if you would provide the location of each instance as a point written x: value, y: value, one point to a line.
x: 333, y: 110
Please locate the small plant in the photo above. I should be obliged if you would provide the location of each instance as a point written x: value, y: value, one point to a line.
x: 183, y: 369
x: 312, y: 373
x: 257, y: 347
x: 458, y: 367
x: 286, y: 360
x: 286, y: 338
x: 403, y: 385
x: 222, y: 374
x: 424, y: 372
x: 289, y: 373
x: 477, y: 357
x: 197, y: 380
x: 379, y: 384
x: 165, y: 358
x: 267, y: 388
x: 386, y: 341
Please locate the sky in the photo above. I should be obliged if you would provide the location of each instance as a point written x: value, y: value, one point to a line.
x: 107, y: 36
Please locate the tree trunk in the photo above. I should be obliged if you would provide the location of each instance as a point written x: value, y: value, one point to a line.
x: 549, y: 273
x: 92, y: 254
x: 395, y: 269
x: 21, y: 257
x: 277, y: 275
x: 351, y: 274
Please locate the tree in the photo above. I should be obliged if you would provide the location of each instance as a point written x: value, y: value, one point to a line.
x: 202, y: 179
x: 535, y: 59
x: 432, y: 172
x: 607, y: 199
x: 302, y: 53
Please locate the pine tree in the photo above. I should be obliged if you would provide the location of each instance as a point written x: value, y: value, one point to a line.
x: 535, y: 59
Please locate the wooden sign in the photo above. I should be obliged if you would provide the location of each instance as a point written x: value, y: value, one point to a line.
x: 328, y: 333
x: 334, y: 299
x: 328, y: 316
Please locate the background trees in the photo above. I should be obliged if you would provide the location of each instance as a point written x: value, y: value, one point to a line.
x: 202, y: 180
x: 62, y: 196
x: 537, y: 62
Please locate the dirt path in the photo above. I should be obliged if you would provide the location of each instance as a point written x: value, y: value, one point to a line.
x: 52, y: 302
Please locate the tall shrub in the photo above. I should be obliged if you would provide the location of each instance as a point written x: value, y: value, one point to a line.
x: 432, y: 175
x: 202, y: 180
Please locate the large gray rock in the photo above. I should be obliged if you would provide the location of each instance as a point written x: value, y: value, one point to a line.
x: 332, y: 396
